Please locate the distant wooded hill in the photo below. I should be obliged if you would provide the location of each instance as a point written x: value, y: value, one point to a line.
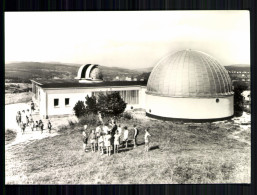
x: 38, y: 70
x: 238, y: 67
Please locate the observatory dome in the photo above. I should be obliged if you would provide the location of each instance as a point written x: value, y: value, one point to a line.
x: 189, y: 73
x: 89, y: 73
x: 191, y: 85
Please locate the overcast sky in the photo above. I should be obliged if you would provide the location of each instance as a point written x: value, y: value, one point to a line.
x: 132, y: 39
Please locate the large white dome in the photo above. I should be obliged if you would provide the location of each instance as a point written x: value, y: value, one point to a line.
x: 189, y: 73
x: 189, y: 85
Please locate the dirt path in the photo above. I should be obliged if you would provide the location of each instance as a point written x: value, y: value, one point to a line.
x: 29, y: 135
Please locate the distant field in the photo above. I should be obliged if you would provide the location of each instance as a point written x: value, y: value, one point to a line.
x: 11, y: 98
x: 179, y: 153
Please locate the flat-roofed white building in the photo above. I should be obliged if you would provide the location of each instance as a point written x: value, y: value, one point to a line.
x: 58, y: 97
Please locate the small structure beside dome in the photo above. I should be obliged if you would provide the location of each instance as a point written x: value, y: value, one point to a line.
x: 89, y: 73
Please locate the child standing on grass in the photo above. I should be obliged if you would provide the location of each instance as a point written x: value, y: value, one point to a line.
x: 116, y: 142
x: 108, y: 143
x: 93, y: 140
x: 125, y: 136
x: 49, y: 125
x: 101, y: 143
x: 147, y: 135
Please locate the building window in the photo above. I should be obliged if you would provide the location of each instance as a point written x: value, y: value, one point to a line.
x: 217, y: 100
x: 67, y: 101
x: 129, y: 96
x: 56, y: 102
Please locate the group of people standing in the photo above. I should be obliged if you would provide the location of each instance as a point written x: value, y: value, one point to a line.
x: 24, y: 119
x: 106, y: 137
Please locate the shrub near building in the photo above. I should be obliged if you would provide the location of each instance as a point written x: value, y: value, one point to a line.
x: 109, y: 105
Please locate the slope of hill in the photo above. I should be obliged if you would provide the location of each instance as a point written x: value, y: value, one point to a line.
x: 238, y: 67
x: 37, y: 70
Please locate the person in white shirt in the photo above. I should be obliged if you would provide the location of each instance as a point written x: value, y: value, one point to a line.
x: 23, y: 117
x: 106, y: 129
x: 147, y: 135
x: 98, y: 131
x: 125, y: 136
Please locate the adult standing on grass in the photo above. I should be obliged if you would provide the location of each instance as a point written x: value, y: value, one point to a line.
x: 116, y: 142
x: 119, y: 130
x: 97, y: 132
x: 113, y: 132
x: 93, y: 140
x: 135, y: 135
x: 85, y: 138
x: 147, y: 135
x: 125, y: 136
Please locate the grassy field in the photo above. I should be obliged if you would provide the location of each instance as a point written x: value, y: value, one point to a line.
x: 179, y: 153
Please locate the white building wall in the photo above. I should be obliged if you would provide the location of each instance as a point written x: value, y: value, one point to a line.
x: 42, y: 102
x: 79, y: 94
x: 62, y: 109
x: 190, y: 108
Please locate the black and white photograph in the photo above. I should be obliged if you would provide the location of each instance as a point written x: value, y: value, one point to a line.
x: 127, y: 97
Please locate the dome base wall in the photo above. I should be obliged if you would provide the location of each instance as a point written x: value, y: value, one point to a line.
x: 215, y: 108
x: 188, y: 120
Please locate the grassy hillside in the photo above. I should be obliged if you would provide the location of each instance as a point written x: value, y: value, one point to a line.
x: 179, y: 153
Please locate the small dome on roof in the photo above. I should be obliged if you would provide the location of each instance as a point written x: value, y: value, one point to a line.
x: 189, y: 73
x: 89, y: 73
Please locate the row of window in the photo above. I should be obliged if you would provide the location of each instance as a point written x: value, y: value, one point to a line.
x: 56, y: 102
x: 129, y: 96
